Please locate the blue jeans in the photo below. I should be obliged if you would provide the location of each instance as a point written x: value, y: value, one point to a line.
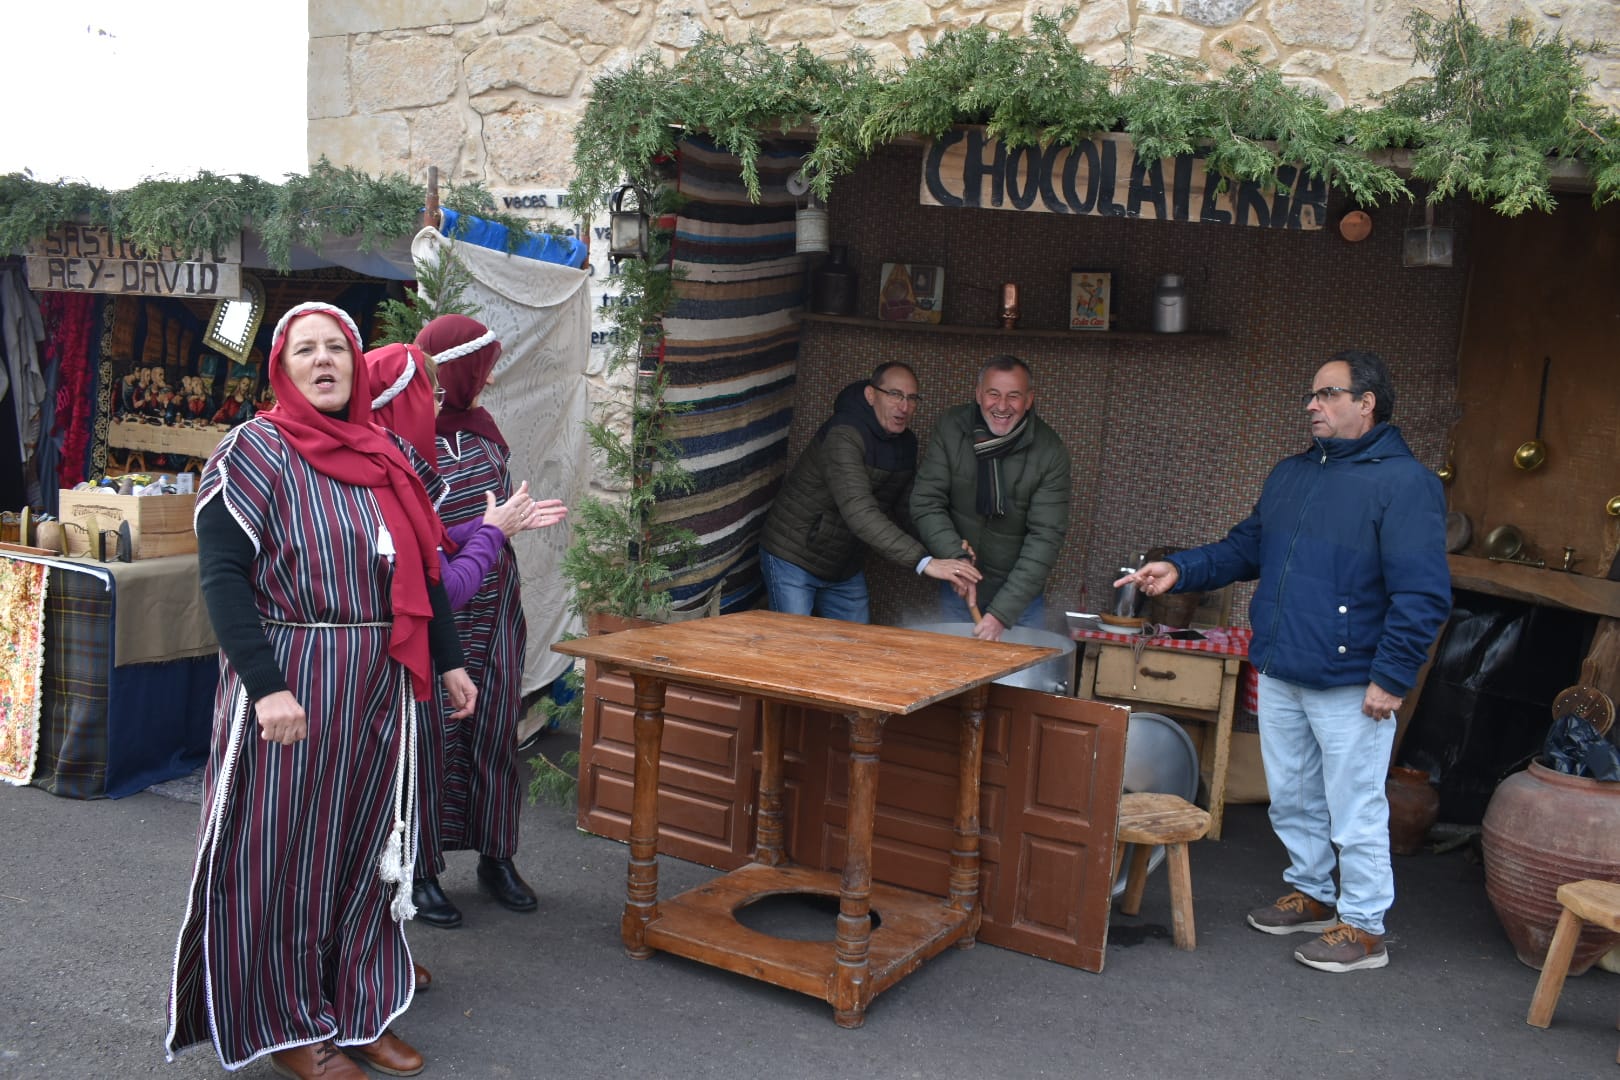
x: 797, y: 591
x: 1325, y: 766
x: 953, y: 608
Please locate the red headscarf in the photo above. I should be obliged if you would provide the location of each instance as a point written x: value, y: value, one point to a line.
x: 402, y: 401
x: 402, y: 395
x: 465, y: 352
x: 356, y: 451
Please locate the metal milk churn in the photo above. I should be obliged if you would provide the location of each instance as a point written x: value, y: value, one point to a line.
x: 1169, y: 305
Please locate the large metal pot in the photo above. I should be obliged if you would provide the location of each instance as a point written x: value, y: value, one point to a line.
x: 1054, y: 676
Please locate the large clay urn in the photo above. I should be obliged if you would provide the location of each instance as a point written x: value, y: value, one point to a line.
x: 1543, y: 829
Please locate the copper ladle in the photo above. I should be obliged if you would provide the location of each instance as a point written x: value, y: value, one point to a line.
x: 1532, y: 454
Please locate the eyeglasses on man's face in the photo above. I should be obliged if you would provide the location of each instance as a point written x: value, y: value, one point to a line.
x: 1325, y: 394
x: 898, y: 396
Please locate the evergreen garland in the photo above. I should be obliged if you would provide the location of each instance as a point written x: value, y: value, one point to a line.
x: 1495, y: 111
x: 204, y: 213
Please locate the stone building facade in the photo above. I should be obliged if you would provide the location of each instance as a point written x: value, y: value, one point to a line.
x: 488, y: 90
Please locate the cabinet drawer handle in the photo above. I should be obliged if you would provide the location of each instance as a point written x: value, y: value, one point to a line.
x: 1150, y: 673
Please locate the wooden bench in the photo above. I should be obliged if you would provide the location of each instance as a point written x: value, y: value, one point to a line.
x: 1148, y: 820
x: 1596, y: 902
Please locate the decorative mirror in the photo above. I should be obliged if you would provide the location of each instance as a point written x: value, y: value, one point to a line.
x: 235, y: 322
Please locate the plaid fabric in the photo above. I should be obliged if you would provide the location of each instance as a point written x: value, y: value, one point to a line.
x: 107, y: 731
x: 78, y: 659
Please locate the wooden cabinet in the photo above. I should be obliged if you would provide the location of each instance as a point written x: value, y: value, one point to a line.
x: 1049, y: 797
x: 1200, y: 686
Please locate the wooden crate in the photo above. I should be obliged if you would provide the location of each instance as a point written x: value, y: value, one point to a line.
x: 159, y: 525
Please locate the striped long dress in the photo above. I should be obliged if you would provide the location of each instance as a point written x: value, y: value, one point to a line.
x: 287, y: 936
x: 480, y: 792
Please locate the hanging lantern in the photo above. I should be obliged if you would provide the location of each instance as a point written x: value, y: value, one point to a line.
x: 811, y: 232
x: 628, y: 228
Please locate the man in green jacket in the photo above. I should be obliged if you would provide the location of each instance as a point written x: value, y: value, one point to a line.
x: 995, y: 481
x: 842, y: 497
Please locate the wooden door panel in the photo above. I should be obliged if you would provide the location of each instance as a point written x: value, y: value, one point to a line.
x: 706, y: 782
x: 1062, y: 810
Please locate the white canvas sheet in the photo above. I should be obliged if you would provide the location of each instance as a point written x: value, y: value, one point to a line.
x: 542, y: 314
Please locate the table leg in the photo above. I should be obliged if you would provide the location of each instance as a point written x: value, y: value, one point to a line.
x: 641, y: 890
x: 1223, y: 746
x: 851, y: 992
x: 768, y: 834
x: 964, y: 876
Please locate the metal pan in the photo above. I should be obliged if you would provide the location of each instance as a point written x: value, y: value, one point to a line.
x: 1504, y: 542
x: 1459, y: 530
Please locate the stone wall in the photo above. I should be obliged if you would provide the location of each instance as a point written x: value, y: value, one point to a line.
x: 488, y: 90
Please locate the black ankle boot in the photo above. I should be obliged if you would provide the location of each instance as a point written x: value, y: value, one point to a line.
x: 432, y: 906
x: 500, y: 879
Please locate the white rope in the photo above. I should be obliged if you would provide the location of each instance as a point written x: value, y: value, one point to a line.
x: 315, y: 305
x: 398, y: 384
x: 399, y: 851
x: 456, y: 352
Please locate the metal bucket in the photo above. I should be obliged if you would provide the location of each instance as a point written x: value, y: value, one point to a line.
x: 1054, y: 676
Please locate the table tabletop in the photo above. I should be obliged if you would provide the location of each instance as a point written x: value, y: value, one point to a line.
x: 822, y: 663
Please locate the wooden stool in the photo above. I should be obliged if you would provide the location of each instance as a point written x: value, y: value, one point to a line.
x: 1596, y: 902
x: 1148, y: 819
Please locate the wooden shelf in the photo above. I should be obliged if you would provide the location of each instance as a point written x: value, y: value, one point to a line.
x: 996, y: 331
x: 1535, y: 585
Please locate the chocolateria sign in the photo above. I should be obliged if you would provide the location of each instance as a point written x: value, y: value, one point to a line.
x: 1104, y: 177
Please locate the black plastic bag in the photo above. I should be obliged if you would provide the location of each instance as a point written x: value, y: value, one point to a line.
x: 1575, y: 747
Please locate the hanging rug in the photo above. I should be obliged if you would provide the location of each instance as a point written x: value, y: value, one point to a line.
x: 22, y: 666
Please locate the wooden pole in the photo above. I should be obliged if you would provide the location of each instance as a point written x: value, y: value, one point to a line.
x: 430, y: 213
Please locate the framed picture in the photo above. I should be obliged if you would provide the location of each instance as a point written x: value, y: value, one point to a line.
x: 1091, y: 299
x: 909, y: 292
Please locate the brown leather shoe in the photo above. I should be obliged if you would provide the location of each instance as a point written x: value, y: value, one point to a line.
x: 316, y: 1061
x: 424, y: 978
x: 392, y: 1055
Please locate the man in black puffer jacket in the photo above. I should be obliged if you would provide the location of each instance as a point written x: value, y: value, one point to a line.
x: 842, y: 497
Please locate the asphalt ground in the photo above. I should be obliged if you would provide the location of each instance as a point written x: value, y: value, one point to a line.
x: 91, y: 895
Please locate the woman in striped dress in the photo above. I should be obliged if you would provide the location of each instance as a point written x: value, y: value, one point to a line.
x: 481, y: 792
x: 318, y: 552
x: 404, y: 386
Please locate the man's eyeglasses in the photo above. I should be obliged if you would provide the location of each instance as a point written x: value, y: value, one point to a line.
x: 438, y: 395
x: 1325, y: 394
x: 897, y: 396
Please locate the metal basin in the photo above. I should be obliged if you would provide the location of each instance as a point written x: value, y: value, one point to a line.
x: 1159, y: 757
x: 1054, y: 676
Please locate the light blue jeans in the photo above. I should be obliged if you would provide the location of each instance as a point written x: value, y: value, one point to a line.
x: 797, y: 591
x: 1325, y: 767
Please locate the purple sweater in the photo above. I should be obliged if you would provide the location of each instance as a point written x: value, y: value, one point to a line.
x: 477, y: 547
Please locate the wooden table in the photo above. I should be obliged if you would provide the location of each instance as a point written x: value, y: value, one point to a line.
x: 867, y: 673
x: 1197, y: 685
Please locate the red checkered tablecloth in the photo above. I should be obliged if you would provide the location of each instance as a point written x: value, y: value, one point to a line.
x: 1226, y: 640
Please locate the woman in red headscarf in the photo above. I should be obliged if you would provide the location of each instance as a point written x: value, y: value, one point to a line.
x: 317, y: 543
x: 482, y: 792
x: 403, y: 384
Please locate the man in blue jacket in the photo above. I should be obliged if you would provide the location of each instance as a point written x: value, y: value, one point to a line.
x: 1348, y: 541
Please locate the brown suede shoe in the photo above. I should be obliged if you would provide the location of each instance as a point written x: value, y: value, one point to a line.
x: 316, y: 1061
x: 1342, y: 948
x: 392, y: 1055
x: 1295, y: 913
x: 424, y: 978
